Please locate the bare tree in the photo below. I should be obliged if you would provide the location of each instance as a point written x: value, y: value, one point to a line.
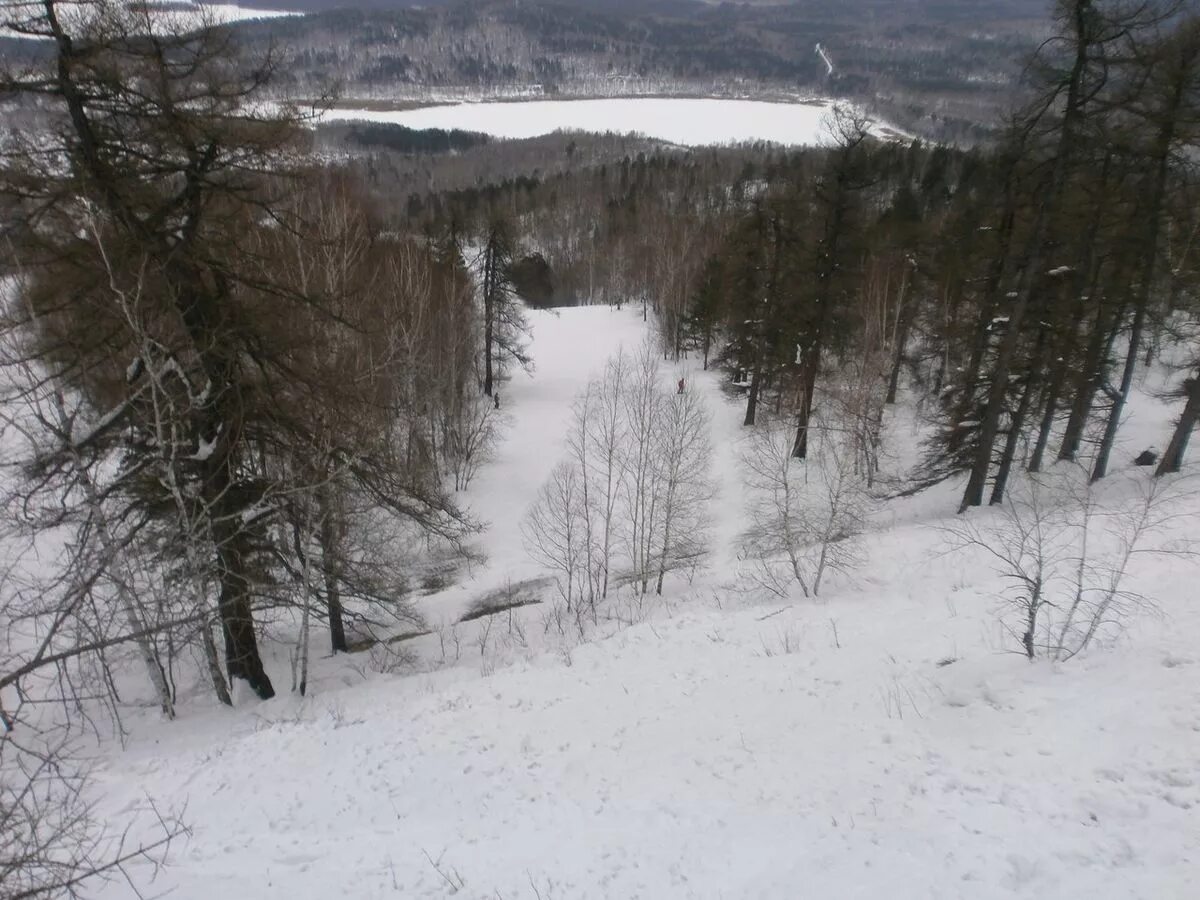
x: 804, y: 515
x: 553, y: 531
x: 1065, y: 553
x: 52, y: 842
x: 632, y: 495
x: 603, y: 441
x: 642, y: 401
x: 470, y: 436
x: 684, y: 457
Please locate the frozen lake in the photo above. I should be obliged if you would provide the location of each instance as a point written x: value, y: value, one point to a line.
x: 174, y: 12
x: 692, y: 122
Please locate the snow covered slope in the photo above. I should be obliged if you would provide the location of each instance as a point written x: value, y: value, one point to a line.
x: 881, y: 742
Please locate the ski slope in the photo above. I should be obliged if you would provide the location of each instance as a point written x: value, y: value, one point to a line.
x: 879, y: 742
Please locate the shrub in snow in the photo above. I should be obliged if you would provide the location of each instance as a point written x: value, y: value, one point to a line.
x: 1064, y: 553
x: 804, y: 513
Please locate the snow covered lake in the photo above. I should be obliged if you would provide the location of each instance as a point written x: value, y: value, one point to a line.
x: 171, y: 12
x: 688, y: 121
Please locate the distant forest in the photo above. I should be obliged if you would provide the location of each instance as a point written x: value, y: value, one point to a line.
x: 945, y: 69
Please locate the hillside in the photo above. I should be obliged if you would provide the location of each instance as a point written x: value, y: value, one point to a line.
x: 590, y: 460
x: 949, y: 66
x: 712, y: 743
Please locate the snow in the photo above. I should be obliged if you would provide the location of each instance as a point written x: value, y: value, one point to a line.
x: 882, y: 742
x: 571, y: 346
x: 825, y: 59
x: 189, y: 14
x: 204, y: 450
x: 236, y: 12
x: 686, y: 121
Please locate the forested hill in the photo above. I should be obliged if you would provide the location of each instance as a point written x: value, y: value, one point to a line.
x: 937, y: 67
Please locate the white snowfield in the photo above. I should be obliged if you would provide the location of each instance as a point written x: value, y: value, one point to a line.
x: 878, y: 743
x: 172, y: 13
x: 237, y: 12
x: 677, y: 120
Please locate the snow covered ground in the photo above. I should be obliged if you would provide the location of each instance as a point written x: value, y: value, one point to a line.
x: 238, y: 12
x: 191, y: 14
x: 880, y: 742
x: 686, y: 121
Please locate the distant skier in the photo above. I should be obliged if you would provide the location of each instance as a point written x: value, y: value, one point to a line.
x: 496, y: 399
x: 680, y: 391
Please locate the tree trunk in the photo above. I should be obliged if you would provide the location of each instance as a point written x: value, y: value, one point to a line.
x: 990, y: 422
x: 489, y: 315
x: 1082, y: 285
x: 752, y: 398
x: 1172, y: 460
x: 997, y: 276
x: 214, y: 664
x: 330, y: 535
x: 903, y: 325
x: 1010, y: 444
x: 804, y: 416
x: 668, y: 514
x: 1090, y: 374
x: 1017, y: 420
x: 1049, y: 412
x: 1114, y: 415
x: 1161, y: 158
x: 234, y: 606
x: 302, y: 646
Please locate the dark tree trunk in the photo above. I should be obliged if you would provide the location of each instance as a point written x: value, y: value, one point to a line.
x: 219, y: 419
x: 1049, y: 412
x: 752, y: 397
x: 489, y: 315
x: 826, y: 268
x: 1164, y: 140
x: 997, y: 275
x: 1172, y: 460
x: 804, y: 416
x: 242, y: 659
x: 330, y: 570
x: 903, y: 324
x: 1122, y: 394
x: 1091, y: 374
x: 1017, y: 420
x: 996, y: 401
x: 1066, y: 333
x: 1008, y: 454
